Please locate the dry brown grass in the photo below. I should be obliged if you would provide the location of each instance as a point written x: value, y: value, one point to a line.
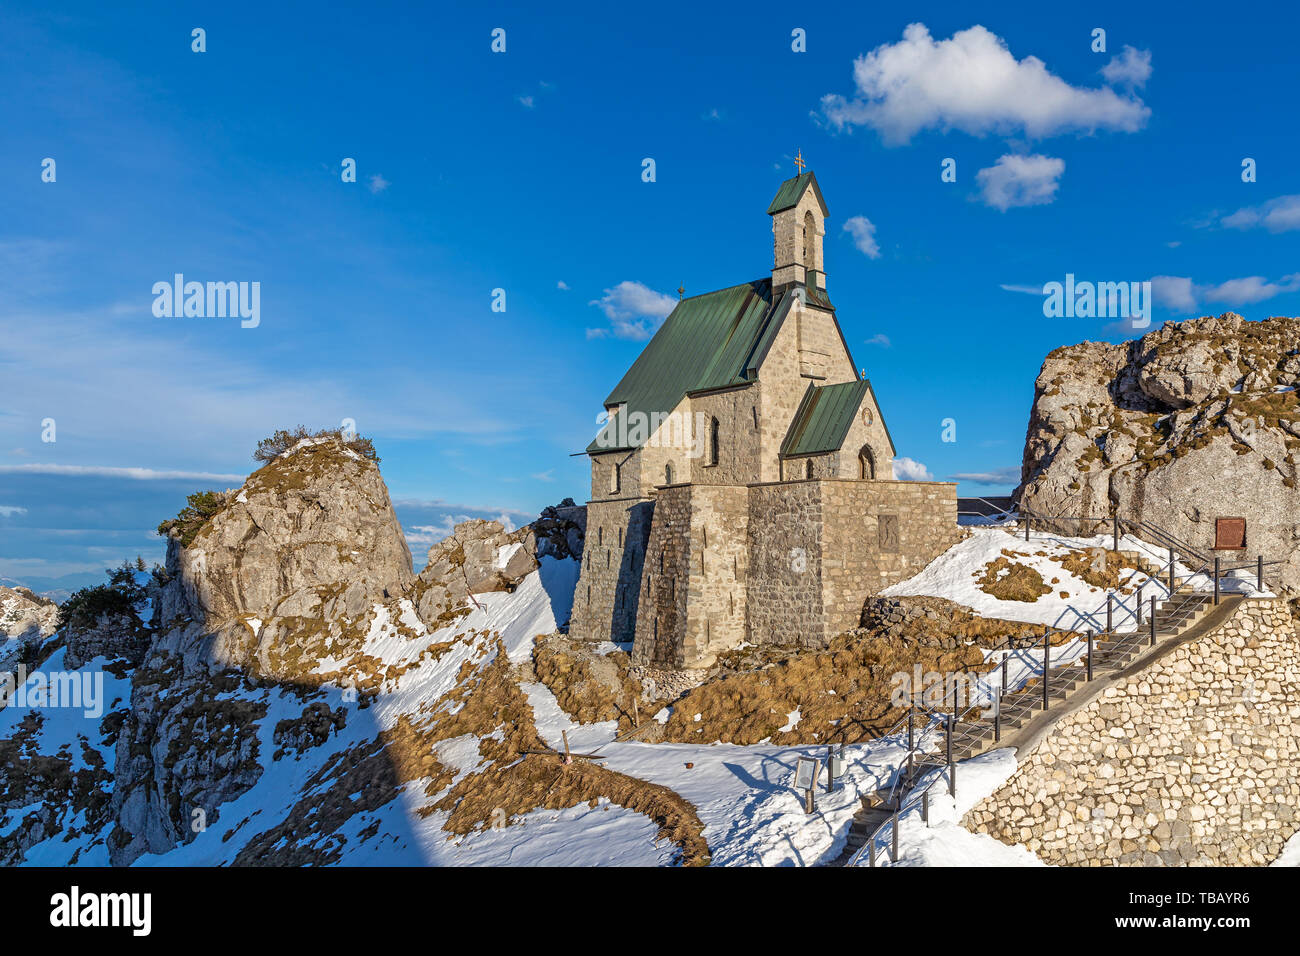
x: 1098, y: 568
x: 1009, y: 580
x: 590, y: 687
x: 842, y: 691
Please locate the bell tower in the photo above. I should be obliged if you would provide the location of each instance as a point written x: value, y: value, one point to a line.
x: 798, y: 226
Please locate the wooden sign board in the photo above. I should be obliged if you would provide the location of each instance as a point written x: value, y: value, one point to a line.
x: 806, y: 773
x: 1229, y: 534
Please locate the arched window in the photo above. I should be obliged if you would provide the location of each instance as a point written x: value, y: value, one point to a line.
x: 809, y: 242
x: 866, y: 463
x: 808, y: 469
x: 615, y: 478
x: 668, y: 474
x: 714, y: 430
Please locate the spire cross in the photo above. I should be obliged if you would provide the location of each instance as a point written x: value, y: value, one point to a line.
x: 798, y: 162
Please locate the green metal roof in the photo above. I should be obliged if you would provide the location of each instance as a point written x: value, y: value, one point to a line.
x: 709, y: 341
x: 791, y: 192
x: 818, y: 297
x: 823, y: 418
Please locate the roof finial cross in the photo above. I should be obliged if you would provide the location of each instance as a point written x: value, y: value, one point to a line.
x: 798, y: 161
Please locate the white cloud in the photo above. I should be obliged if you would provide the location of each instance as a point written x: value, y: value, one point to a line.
x: 1249, y: 289
x: 974, y: 84
x: 378, y: 183
x: 1277, y: 215
x: 998, y: 476
x: 881, y: 339
x: 104, y: 471
x: 863, y: 232
x: 1180, y: 293
x: 1020, y: 181
x: 547, y: 475
x: 1173, y: 292
x: 562, y: 285
x: 526, y: 101
x: 634, y: 311
x: 907, y: 469
x: 1131, y: 68
x: 1026, y: 289
x: 8, y: 511
x: 432, y: 534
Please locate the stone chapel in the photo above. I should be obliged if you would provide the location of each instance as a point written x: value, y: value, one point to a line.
x: 742, y: 484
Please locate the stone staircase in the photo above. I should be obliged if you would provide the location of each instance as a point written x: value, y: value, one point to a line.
x: 978, y: 732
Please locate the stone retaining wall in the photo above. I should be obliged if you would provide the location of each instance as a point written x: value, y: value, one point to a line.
x: 1193, y: 761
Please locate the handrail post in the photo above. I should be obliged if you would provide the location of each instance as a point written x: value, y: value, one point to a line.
x: 1089, y: 653
x: 1004, y: 665
x: 1139, y: 604
x: 949, y: 736
x: 925, y: 806
x: 1216, y: 579
x: 952, y: 781
x: 997, y: 718
x: 1026, y: 527
x: 893, y: 849
x: 1047, y: 663
x: 911, y: 745
x: 1171, y: 572
x: 1115, y: 529
x: 1153, y: 620
x: 1259, y: 572
x: 871, y: 852
x: 1110, y: 613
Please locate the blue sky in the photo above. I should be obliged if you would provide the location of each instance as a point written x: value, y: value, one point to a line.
x: 522, y: 171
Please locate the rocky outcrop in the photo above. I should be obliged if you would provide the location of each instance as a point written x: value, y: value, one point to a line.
x: 115, y: 636
x: 479, y: 557
x: 285, y: 576
x: 561, y: 530
x: 928, y: 621
x: 1193, y: 421
x: 25, y: 621
x: 317, y: 517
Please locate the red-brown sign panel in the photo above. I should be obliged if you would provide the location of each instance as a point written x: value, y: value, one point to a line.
x: 1229, y: 534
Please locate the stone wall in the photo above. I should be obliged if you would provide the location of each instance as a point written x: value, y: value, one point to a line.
x: 1193, y: 761
x: 740, y: 436
x: 878, y: 533
x: 607, y: 596
x: 785, y: 546
x: 822, y: 547
x: 693, y: 582
x: 822, y: 357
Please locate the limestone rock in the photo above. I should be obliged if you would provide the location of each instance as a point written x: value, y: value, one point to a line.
x: 318, y: 516
x: 25, y: 621
x: 561, y: 530
x: 112, y: 636
x: 479, y: 556
x: 1193, y: 421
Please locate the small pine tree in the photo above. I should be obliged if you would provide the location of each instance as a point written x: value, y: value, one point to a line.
x: 268, y: 449
x: 186, y: 526
x: 118, y: 598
